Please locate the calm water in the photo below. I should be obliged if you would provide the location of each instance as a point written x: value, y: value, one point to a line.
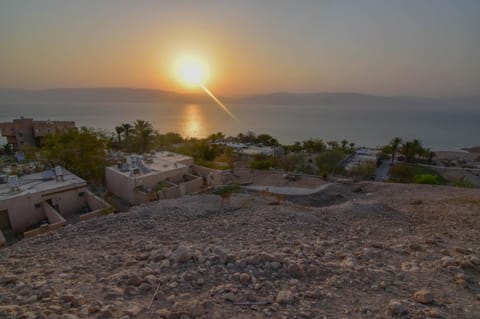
x: 438, y: 128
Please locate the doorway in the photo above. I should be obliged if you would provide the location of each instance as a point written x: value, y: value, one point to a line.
x: 5, y: 220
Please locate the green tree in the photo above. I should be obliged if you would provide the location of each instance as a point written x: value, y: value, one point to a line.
x: 127, y: 130
x: 408, y: 151
x: 295, y: 147
x: 83, y: 152
x: 429, y: 154
x: 144, y: 135
x: 168, y: 139
x: 8, y: 149
x: 216, y: 137
x: 344, y: 144
x: 333, y: 144
x: 119, y: 130
x: 417, y: 148
x: 267, y: 140
x: 314, y: 146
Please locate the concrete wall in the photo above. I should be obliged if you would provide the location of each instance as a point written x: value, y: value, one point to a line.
x: 51, y: 214
x: 213, y: 177
x: 120, y: 185
x: 124, y: 186
x: 186, y: 161
x: 91, y: 215
x: 94, y: 202
x: 55, y: 220
x: 3, y: 241
x: 171, y: 192
x: 193, y: 186
x: 22, y: 212
x: 69, y: 202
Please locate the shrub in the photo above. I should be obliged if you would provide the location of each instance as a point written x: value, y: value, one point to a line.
x: 329, y: 161
x: 402, y: 173
x: 426, y: 179
x: 362, y: 170
x: 405, y: 173
x: 227, y: 189
x: 213, y: 165
x: 464, y: 183
x: 261, y: 164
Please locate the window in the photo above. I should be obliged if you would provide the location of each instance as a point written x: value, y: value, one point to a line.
x: 38, y: 205
x: 81, y: 194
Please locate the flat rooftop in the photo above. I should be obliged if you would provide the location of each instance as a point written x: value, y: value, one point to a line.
x: 256, y: 150
x: 40, y: 183
x: 171, y: 157
x: 152, y: 164
x: 163, y: 165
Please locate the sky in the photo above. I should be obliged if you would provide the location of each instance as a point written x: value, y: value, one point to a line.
x: 385, y: 47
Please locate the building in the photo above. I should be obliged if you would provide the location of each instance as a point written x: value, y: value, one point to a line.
x: 362, y: 156
x: 41, y: 202
x: 27, y: 132
x: 161, y: 175
x: 248, y: 151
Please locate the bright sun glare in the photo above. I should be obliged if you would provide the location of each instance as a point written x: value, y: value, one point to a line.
x: 191, y: 70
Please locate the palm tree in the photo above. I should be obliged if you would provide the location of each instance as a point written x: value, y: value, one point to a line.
x: 127, y: 129
x: 407, y: 148
x: 352, y: 145
x: 417, y: 148
x: 428, y: 154
x: 119, y: 130
x: 332, y: 144
x: 144, y: 132
x: 219, y: 136
x: 241, y: 138
x: 344, y: 144
x: 394, y: 144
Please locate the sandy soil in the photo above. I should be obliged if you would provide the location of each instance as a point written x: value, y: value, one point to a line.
x: 275, y: 178
x: 457, y: 156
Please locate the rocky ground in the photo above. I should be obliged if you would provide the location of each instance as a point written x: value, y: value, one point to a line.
x: 366, y: 250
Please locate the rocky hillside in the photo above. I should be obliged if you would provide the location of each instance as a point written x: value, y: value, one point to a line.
x: 355, y: 251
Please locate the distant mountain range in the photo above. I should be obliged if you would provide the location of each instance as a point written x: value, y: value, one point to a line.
x: 279, y: 98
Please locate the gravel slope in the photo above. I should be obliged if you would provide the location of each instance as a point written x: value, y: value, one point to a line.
x: 377, y: 251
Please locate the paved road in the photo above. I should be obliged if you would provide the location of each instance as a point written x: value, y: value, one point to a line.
x: 381, y: 173
x: 285, y: 190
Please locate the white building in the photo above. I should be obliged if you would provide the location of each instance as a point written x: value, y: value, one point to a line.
x: 142, y: 178
x: 39, y: 202
x: 362, y: 156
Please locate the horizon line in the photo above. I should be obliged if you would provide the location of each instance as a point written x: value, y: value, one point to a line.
x: 244, y: 94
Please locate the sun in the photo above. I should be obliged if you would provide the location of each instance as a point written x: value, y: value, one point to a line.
x: 191, y: 70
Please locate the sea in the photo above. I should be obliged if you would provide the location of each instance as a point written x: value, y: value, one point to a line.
x: 439, y: 128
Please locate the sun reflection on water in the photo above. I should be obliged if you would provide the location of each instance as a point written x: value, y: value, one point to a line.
x: 194, y: 121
